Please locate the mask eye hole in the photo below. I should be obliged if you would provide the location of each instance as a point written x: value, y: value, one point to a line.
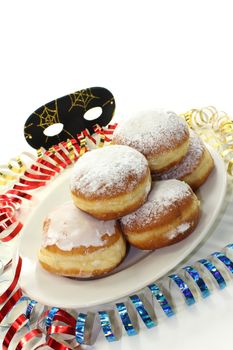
x: 93, y: 113
x: 54, y: 129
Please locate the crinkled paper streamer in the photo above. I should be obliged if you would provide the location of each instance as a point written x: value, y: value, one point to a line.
x: 60, y: 329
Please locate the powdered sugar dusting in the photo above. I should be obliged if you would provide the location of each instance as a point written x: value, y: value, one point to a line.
x: 108, y: 171
x: 180, y: 229
x: 163, y: 195
x: 190, y: 162
x: 148, y: 131
x: 69, y: 227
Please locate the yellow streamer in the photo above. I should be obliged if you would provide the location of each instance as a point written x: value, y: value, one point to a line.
x: 16, y: 166
x: 71, y: 150
x: 215, y: 128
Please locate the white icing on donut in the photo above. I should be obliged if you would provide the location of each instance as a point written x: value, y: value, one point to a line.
x: 163, y: 195
x: 148, y: 131
x: 190, y: 161
x: 108, y: 171
x: 69, y: 227
x: 180, y: 229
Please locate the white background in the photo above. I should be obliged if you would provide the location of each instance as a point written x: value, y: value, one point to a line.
x: 175, y: 54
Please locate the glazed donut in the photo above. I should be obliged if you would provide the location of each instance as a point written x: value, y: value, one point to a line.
x: 195, y: 167
x: 75, y: 244
x: 161, y: 136
x: 110, y: 182
x: 170, y: 214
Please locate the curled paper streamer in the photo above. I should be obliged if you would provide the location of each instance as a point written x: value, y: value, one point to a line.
x: 214, y: 272
x: 142, y: 311
x: 198, y: 280
x: 13, y: 284
x: 161, y: 299
x: 19, y: 323
x: 225, y: 260
x: 107, y: 326
x: 80, y: 328
x: 215, y: 128
x: 184, y: 289
x: 126, y: 319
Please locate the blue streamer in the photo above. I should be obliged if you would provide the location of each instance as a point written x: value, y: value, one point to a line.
x: 214, y: 271
x: 30, y: 308
x: 230, y: 246
x: 50, y: 316
x: 124, y: 315
x: 183, y: 287
x: 226, y: 261
x: 198, y: 280
x: 106, y: 326
x: 159, y: 296
x: 80, y: 328
x: 139, y: 306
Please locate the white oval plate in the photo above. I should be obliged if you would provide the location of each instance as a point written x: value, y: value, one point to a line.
x: 139, y: 269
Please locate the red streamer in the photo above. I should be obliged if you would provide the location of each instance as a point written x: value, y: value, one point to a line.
x: 10, y: 304
x: 14, y: 328
x: 28, y: 187
x: 42, y: 170
x: 54, y: 344
x: 61, y: 330
x: 35, y: 184
x: 28, y: 337
x: 37, y: 177
x: 62, y: 154
x: 64, y: 317
x: 57, y: 160
x: 49, y: 165
x: 10, y: 289
x: 20, y: 194
x: 13, y: 233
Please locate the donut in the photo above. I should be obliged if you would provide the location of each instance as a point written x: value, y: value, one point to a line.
x: 75, y: 244
x: 195, y: 167
x: 110, y: 182
x: 170, y: 214
x: 161, y: 136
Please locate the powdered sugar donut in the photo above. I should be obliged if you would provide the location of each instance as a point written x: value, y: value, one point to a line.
x: 77, y: 245
x: 110, y: 182
x: 162, y: 136
x: 170, y: 214
x: 195, y: 166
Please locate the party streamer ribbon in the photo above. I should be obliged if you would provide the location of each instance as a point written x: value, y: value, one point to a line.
x: 194, y: 274
x: 106, y: 326
x: 161, y: 299
x: 215, y: 128
x: 12, y: 286
x: 126, y: 320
